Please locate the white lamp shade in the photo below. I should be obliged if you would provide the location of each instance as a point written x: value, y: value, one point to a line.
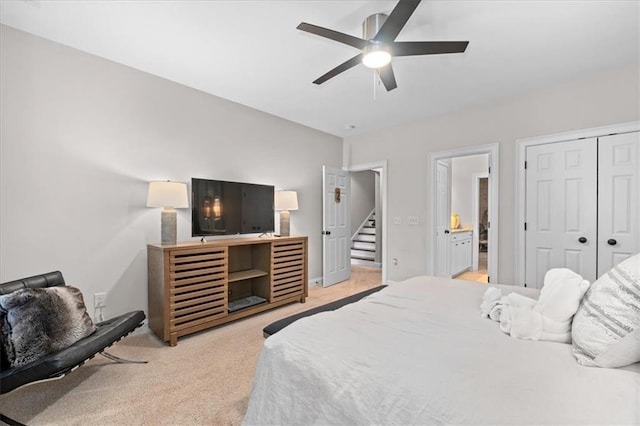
x: 286, y: 200
x: 168, y: 194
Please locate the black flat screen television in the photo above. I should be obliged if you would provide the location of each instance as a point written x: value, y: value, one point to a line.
x: 225, y: 208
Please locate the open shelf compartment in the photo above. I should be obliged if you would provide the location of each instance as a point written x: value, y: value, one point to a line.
x: 246, y: 274
x: 249, y: 276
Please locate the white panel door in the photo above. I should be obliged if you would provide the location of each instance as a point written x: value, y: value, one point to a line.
x: 618, y: 199
x: 443, y: 221
x: 336, y: 217
x: 560, y: 211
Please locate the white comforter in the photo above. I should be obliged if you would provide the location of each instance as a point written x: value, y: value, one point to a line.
x: 418, y: 352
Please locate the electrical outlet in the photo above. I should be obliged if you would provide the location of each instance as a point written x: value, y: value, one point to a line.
x: 397, y: 220
x: 100, y: 300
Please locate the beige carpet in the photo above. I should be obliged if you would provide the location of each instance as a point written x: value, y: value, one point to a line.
x: 205, y: 380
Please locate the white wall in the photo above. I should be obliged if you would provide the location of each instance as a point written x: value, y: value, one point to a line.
x: 609, y: 98
x: 462, y: 171
x: 81, y: 137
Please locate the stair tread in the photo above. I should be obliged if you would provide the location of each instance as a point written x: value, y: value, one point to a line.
x: 363, y: 257
x: 363, y: 245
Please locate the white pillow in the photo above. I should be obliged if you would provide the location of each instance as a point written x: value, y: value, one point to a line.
x: 606, y: 328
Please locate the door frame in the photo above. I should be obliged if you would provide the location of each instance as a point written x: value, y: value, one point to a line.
x: 476, y: 218
x: 521, y: 155
x: 494, y: 179
x: 382, y: 166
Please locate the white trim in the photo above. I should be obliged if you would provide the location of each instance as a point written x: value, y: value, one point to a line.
x: 383, y: 166
x: 476, y: 220
x: 520, y: 195
x: 494, y: 179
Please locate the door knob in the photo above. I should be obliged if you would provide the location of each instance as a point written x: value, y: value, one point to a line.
x: 326, y: 232
x: 612, y: 242
x: 582, y: 240
x: 446, y: 231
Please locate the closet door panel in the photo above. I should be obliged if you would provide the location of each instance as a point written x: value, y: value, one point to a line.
x: 561, y: 207
x: 618, y: 199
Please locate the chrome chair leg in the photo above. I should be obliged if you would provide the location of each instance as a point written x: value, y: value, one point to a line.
x: 120, y: 360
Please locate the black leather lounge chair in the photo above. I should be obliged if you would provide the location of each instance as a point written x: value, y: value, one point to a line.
x: 59, y: 364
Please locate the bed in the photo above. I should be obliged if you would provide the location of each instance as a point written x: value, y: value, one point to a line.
x: 418, y: 352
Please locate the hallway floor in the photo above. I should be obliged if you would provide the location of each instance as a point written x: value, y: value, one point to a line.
x: 481, y: 275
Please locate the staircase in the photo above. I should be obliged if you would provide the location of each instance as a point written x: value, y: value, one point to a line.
x: 363, y: 244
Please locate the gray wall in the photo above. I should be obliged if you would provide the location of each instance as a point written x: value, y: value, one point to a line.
x: 462, y: 171
x: 81, y: 137
x: 363, y: 199
x: 609, y: 98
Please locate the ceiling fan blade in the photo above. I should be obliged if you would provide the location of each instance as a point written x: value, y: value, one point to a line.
x: 340, y: 68
x: 412, y: 48
x: 387, y: 77
x: 396, y: 20
x: 350, y: 40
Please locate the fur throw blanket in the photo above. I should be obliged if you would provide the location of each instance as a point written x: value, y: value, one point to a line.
x: 35, y: 322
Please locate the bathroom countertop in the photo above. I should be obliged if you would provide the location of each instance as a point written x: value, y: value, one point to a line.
x: 456, y: 231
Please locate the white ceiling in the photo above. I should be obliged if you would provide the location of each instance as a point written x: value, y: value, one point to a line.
x: 251, y: 53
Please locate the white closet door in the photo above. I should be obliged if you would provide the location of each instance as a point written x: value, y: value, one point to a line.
x: 618, y: 199
x: 561, y: 185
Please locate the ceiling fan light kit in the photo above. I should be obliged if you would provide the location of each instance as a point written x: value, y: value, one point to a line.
x: 376, y: 55
x: 378, y: 44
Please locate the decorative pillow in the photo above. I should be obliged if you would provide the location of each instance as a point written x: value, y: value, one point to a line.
x: 606, y: 328
x: 39, y: 321
x: 4, y: 361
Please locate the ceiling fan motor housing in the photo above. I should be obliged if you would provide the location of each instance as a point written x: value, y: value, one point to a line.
x: 372, y: 25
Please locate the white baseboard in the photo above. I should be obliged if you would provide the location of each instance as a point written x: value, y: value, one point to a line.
x: 361, y: 262
x: 143, y: 329
x: 315, y: 282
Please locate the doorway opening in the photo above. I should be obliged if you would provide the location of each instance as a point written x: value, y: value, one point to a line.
x: 366, y: 216
x: 369, y: 217
x: 464, y: 216
x: 481, y: 224
x: 338, y: 226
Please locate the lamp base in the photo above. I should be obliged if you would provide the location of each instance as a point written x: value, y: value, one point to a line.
x: 169, y: 226
x: 284, y: 223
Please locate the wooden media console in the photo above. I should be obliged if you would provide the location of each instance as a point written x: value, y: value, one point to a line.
x: 197, y: 285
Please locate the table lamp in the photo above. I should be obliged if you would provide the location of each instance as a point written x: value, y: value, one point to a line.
x: 171, y: 196
x: 285, y: 201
